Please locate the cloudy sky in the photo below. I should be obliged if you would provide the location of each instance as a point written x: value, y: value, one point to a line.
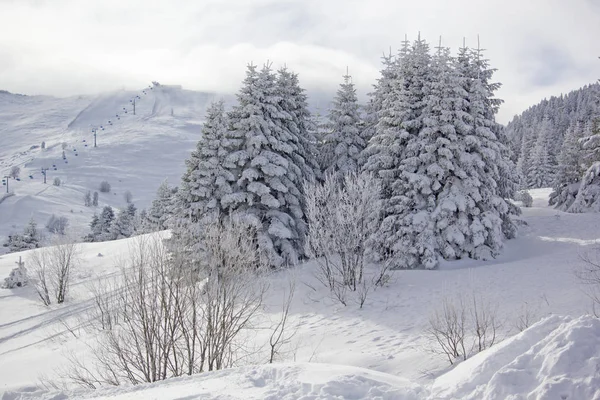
x: 67, y: 47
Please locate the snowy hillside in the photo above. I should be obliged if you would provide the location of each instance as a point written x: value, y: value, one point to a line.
x: 379, y: 351
x: 135, y: 152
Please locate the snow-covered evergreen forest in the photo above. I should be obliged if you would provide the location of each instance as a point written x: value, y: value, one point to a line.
x: 556, y: 143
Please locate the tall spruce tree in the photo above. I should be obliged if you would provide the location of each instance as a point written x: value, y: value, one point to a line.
x: 391, y: 156
x: 299, y: 123
x: 541, y: 172
x: 488, y: 212
x: 570, y: 169
x: 268, y: 192
x: 162, y: 208
x: 343, y: 143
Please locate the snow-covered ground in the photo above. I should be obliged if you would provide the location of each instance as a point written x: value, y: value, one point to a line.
x: 135, y: 152
x: 379, y: 351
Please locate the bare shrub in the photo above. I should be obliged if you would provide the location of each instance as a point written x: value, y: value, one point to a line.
x: 161, y: 319
x: 484, y: 323
x: 52, y: 270
x: 448, y: 327
x: 15, y: 172
x: 57, y: 224
x: 527, y: 317
x: 104, y: 187
x: 280, y: 336
x: 57, y: 182
x: 460, y: 328
x: 343, y: 214
x: 589, y: 276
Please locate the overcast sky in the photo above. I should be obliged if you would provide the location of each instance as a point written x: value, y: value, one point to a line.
x: 67, y: 47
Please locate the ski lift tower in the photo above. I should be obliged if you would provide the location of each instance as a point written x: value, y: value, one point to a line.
x: 44, y: 173
x: 5, y: 181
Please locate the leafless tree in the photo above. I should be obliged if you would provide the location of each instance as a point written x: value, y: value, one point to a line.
x: 15, y: 172
x: 40, y: 269
x: 52, y: 269
x: 343, y: 214
x: 128, y: 196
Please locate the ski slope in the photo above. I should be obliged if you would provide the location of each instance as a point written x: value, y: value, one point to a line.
x: 379, y: 351
x: 135, y: 152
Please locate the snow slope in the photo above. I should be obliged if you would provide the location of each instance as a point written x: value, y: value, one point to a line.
x: 135, y: 152
x: 534, y: 274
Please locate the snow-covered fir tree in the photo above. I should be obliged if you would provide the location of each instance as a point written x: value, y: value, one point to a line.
x: 123, y: 224
x: 162, y: 208
x: 391, y: 155
x: 494, y: 136
x: 541, y: 171
x: 381, y: 91
x: 267, y: 194
x: 206, y: 180
x: 299, y: 122
x: 343, y: 143
x: 570, y: 169
x: 101, y: 226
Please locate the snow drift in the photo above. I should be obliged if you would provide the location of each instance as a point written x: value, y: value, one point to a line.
x: 557, y: 358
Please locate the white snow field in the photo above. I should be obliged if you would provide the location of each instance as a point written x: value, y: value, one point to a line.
x: 135, y: 152
x: 378, y: 352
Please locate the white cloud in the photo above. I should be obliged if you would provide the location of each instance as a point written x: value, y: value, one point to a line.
x: 64, y: 47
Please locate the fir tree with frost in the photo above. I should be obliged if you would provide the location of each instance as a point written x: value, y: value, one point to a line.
x: 524, y: 160
x: 267, y: 194
x: 488, y: 214
x: 299, y: 123
x: 205, y: 182
x: 101, y: 226
x: 94, y: 225
x: 343, y: 143
x: 540, y: 172
x: 569, y: 173
x: 381, y: 90
x: 123, y: 224
x: 505, y: 174
x: 160, y: 212
x: 391, y: 156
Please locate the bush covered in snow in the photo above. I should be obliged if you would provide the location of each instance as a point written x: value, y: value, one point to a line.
x: 524, y: 197
x: 16, y: 278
